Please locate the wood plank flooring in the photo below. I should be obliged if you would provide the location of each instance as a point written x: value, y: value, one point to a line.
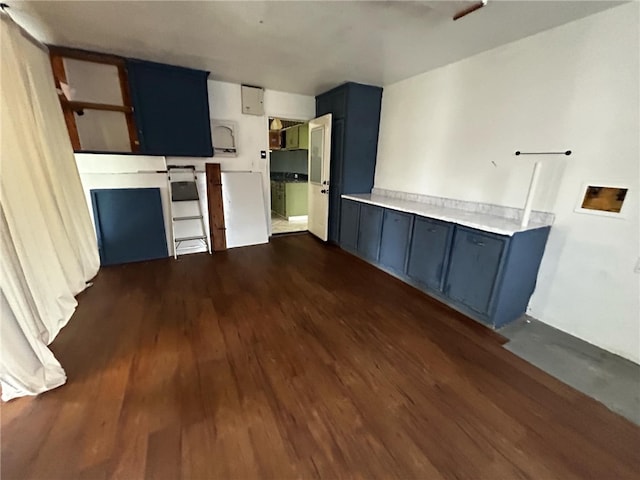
x: 297, y: 360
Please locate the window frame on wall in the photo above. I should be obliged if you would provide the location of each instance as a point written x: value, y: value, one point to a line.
x: 69, y: 108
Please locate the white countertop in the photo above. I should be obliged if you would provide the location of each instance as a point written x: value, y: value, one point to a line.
x: 480, y: 221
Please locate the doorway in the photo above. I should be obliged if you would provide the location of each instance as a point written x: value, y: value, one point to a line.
x: 288, y: 172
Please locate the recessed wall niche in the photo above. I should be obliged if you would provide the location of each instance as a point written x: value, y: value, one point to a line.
x: 602, y: 199
x: 224, y: 135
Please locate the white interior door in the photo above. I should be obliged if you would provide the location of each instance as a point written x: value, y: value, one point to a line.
x: 319, y: 165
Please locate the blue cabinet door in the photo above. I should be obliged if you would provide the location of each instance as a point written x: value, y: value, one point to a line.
x: 519, y: 274
x: 171, y: 107
x: 361, y: 140
x: 429, y: 252
x: 473, y: 268
x: 349, y: 224
x: 335, y: 180
x: 394, y: 243
x: 129, y: 225
x: 369, y: 230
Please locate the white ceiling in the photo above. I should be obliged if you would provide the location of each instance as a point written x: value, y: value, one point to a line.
x: 302, y: 47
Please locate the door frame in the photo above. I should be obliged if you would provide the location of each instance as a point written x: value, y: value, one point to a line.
x: 267, y: 183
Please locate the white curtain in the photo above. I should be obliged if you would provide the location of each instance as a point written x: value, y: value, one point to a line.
x: 49, y: 248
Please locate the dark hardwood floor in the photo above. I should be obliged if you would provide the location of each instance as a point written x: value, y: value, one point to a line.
x: 296, y: 360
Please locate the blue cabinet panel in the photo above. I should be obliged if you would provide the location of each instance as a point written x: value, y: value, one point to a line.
x: 129, y: 225
x: 369, y: 230
x: 394, y: 244
x: 349, y: 224
x: 518, y: 279
x: 429, y: 252
x: 171, y: 108
x: 473, y: 267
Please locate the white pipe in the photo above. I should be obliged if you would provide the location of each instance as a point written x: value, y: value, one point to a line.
x: 532, y: 191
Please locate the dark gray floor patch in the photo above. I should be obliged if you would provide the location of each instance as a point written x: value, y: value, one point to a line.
x: 604, y: 376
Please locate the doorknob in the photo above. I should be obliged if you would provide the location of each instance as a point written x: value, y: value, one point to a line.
x: 324, y: 190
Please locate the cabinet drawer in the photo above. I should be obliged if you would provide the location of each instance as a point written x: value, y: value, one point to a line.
x: 429, y: 251
x: 473, y: 268
x: 394, y: 244
x: 369, y: 230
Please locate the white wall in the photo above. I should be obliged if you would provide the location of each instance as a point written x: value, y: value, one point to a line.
x: 253, y: 131
x: 121, y: 171
x: 573, y: 87
x: 252, y: 134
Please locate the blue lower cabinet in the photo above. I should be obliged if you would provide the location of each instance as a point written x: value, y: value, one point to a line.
x: 394, y: 243
x: 369, y: 230
x: 473, y: 268
x: 429, y: 252
x: 129, y: 225
x: 486, y: 276
x: 349, y: 219
x: 518, y: 275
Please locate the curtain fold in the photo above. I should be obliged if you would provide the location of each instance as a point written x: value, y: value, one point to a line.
x: 49, y: 248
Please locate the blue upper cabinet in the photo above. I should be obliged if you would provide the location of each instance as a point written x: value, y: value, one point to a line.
x: 171, y: 109
x: 355, y: 110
